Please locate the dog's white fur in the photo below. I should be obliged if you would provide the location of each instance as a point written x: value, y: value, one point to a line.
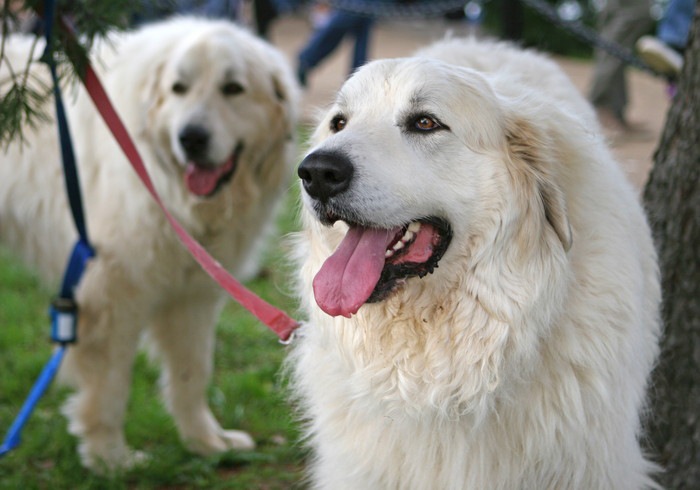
x: 142, y: 277
x: 522, y: 361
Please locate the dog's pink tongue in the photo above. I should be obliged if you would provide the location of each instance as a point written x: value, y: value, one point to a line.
x: 348, y: 277
x: 202, y: 181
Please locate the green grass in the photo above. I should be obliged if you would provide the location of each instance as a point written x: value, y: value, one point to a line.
x: 246, y: 393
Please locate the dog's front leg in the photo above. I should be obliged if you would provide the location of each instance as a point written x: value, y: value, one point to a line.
x: 184, y: 336
x: 100, y: 365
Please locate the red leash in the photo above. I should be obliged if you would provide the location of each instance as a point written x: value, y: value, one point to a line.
x: 275, y: 319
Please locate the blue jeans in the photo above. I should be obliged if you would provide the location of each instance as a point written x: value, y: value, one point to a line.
x: 674, y: 26
x: 158, y: 9
x: 324, y: 40
x: 209, y: 8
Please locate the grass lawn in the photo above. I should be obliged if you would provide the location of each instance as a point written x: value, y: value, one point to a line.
x: 247, y: 393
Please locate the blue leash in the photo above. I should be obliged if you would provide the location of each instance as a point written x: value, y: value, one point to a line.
x: 12, y: 439
x: 63, y: 310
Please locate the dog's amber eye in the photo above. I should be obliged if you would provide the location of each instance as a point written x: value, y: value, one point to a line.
x: 232, y: 88
x: 179, y: 88
x: 425, y: 123
x: 338, y: 123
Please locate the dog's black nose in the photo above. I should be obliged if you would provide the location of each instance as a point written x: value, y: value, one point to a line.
x: 194, y: 140
x: 326, y: 174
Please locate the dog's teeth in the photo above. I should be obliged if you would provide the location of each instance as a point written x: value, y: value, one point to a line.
x: 406, y: 238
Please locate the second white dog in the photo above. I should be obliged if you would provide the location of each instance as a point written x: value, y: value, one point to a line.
x: 212, y: 110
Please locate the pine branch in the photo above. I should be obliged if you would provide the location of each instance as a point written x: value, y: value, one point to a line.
x: 24, y: 96
x: 23, y: 105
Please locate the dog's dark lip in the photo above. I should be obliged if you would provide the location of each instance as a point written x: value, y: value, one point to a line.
x: 395, y: 274
x: 328, y: 216
x: 226, y: 177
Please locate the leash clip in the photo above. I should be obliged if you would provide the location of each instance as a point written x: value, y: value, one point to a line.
x: 64, y: 320
x: 290, y: 339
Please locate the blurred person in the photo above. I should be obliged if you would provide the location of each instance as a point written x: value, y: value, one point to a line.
x: 664, y: 52
x: 331, y: 27
x: 622, y: 22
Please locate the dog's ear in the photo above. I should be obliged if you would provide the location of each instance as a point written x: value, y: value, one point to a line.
x: 152, y: 96
x: 278, y: 87
x: 285, y: 95
x: 527, y: 147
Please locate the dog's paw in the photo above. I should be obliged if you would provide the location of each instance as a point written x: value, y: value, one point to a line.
x: 237, y: 439
x: 113, y: 461
x: 222, y: 441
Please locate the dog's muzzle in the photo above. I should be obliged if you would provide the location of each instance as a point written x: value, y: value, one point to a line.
x: 195, y: 141
x: 326, y: 174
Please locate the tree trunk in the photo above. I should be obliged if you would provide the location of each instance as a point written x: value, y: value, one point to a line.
x: 672, y: 199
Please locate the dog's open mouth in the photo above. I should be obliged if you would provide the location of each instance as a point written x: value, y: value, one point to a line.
x: 370, y: 263
x: 204, y: 180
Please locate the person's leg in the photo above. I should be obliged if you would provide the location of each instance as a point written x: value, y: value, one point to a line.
x: 326, y: 39
x: 623, y: 21
x: 361, y: 29
x: 323, y: 41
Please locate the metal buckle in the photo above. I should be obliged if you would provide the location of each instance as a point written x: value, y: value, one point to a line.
x: 289, y: 340
x: 64, y: 320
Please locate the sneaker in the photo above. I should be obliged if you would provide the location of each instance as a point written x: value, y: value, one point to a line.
x: 660, y: 56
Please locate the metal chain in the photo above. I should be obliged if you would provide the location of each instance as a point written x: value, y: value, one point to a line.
x: 590, y: 36
x: 389, y: 8
x: 418, y: 8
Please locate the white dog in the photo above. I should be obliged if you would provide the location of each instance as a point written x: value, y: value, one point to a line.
x: 480, y: 283
x: 212, y: 110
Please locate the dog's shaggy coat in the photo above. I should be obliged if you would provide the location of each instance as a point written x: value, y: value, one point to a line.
x: 521, y: 361
x: 212, y: 110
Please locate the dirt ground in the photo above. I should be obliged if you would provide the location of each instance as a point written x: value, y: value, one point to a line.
x: 394, y: 38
